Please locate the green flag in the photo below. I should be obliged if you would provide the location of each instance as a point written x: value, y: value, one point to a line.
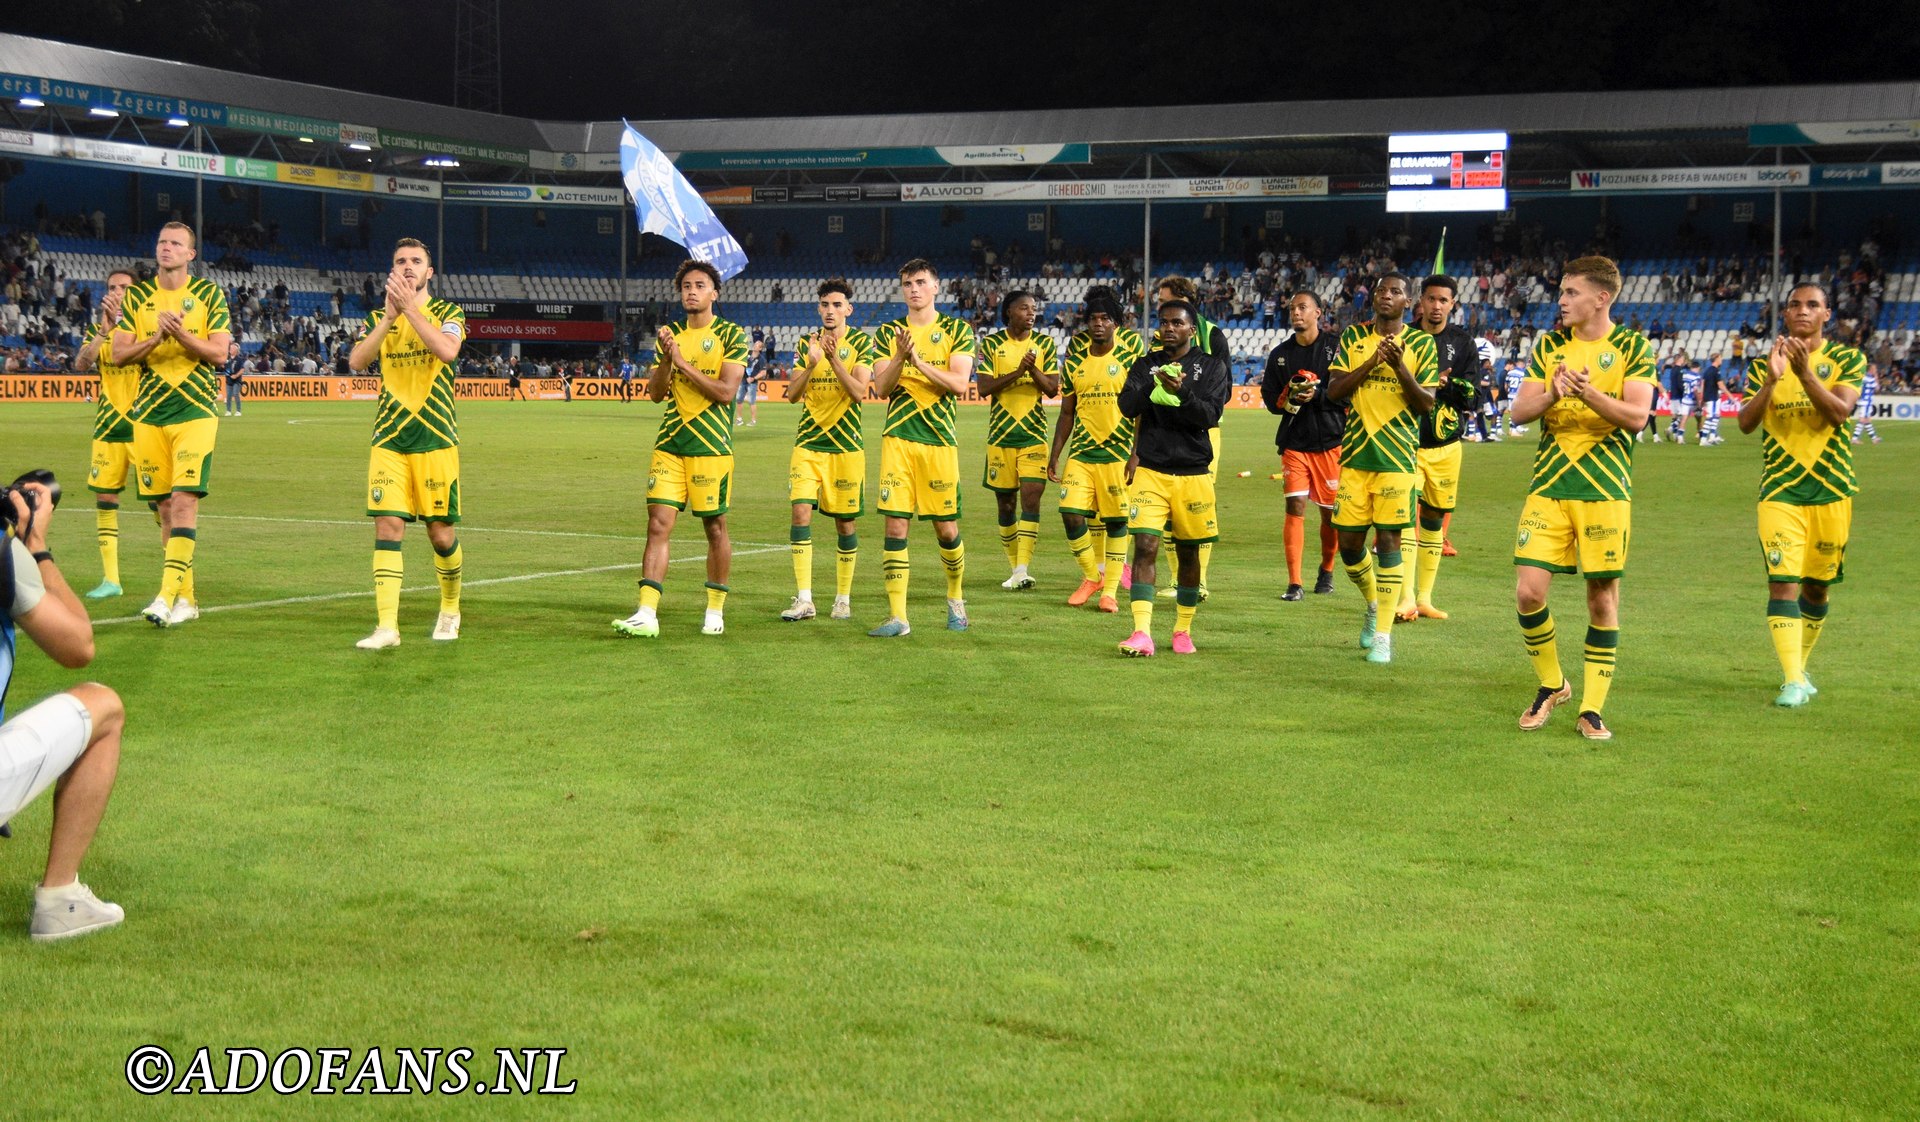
x: 1440, y: 255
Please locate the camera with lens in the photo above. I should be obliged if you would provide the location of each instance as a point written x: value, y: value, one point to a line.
x: 41, y: 476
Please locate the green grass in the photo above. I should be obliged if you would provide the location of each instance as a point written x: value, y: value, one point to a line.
x: 797, y: 873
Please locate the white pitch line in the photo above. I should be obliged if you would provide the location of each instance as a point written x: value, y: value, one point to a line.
x: 464, y: 529
x: 322, y: 598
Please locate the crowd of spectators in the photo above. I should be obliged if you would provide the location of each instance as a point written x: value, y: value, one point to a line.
x: 44, y: 315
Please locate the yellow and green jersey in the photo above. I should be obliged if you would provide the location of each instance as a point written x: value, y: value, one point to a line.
x: 1101, y: 434
x: 695, y: 424
x: 1124, y: 339
x: 1804, y: 461
x: 1015, y: 418
x: 1582, y: 455
x: 175, y: 385
x: 119, y: 385
x: 919, y: 410
x: 415, y: 412
x: 829, y: 415
x: 1383, y: 431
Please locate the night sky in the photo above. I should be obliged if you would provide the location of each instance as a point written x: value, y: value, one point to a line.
x: 589, y: 59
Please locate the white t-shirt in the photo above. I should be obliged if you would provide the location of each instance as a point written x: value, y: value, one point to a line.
x: 28, y: 588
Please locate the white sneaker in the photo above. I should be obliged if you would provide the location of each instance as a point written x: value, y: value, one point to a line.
x: 447, y: 627
x: 715, y: 624
x: 62, y: 913
x: 842, y: 608
x: 184, y: 611
x: 159, y: 613
x: 1018, y: 581
x: 801, y: 608
x: 380, y: 640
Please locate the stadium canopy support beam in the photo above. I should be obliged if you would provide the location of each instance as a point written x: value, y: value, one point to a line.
x: 1146, y: 257
x: 199, y: 196
x: 1773, y: 289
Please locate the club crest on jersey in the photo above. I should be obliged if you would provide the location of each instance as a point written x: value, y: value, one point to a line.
x: 935, y: 337
x: 706, y: 344
x: 845, y: 354
x: 1824, y: 369
x: 187, y: 304
x: 1606, y: 361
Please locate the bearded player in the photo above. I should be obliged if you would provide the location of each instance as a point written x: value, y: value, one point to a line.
x: 414, y: 471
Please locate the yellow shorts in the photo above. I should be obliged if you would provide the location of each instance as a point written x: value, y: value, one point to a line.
x: 1008, y: 468
x: 1806, y: 543
x: 1440, y: 476
x: 1213, y: 438
x: 175, y: 457
x: 1181, y: 506
x: 698, y: 485
x: 918, y: 480
x: 834, y: 483
x: 1369, y: 499
x: 1095, y: 490
x: 413, y: 485
x: 108, y: 473
x: 1557, y: 534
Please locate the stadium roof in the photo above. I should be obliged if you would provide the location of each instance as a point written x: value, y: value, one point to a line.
x: 1550, y: 130
x: 1680, y: 110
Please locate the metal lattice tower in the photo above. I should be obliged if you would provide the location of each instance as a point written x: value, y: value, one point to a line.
x: 476, y: 55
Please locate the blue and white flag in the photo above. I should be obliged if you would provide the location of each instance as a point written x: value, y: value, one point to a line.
x: 664, y: 203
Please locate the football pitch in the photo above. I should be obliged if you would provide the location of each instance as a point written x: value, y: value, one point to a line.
x: 793, y: 872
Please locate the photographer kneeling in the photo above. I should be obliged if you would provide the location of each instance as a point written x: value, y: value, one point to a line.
x: 71, y: 740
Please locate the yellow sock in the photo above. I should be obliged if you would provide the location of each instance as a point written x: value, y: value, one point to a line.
x: 1431, y: 542
x: 1783, y: 625
x: 953, y: 558
x: 173, y: 576
x: 1387, y: 583
x: 800, y: 546
x: 186, y: 585
x: 1026, y: 538
x: 106, y: 522
x: 1812, y: 618
x: 844, y: 558
x: 1362, y: 576
x: 893, y: 573
x: 716, y: 597
x: 1206, y: 559
x: 1410, y: 560
x: 1010, y: 540
x: 388, y: 569
x: 1602, y: 643
x: 1142, y: 606
x: 1116, y: 560
x: 446, y: 567
x: 650, y: 596
x: 1082, y: 549
x: 1542, y: 649
x: 1186, y: 605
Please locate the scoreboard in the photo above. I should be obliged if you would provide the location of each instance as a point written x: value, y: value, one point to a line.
x: 1436, y: 172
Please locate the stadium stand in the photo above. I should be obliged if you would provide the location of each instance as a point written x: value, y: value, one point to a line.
x: 1696, y: 306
